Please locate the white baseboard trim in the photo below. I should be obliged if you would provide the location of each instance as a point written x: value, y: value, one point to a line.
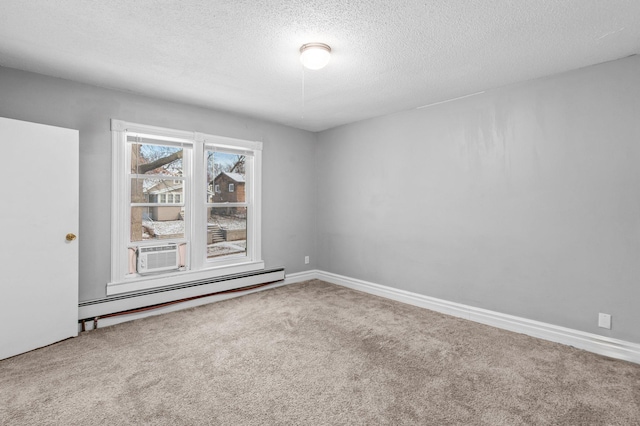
x: 106, y: 322
x: 103, y: 308
x: 92, y: 309
x: 602, y: 345
x: 299, y: 277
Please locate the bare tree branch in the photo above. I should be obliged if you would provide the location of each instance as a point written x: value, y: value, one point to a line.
x: 236, y: 166
x: 144, y: 168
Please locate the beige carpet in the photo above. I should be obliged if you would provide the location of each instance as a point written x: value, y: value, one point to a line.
x: 314, y: 354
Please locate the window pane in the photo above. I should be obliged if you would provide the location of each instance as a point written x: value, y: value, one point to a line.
x: 156, y: 159
x: 226, y: 231
x: 146, y: 190
x: 149, y: 223
x: 225, y: 177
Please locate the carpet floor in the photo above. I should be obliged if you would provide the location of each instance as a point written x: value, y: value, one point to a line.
x: 314, y: 354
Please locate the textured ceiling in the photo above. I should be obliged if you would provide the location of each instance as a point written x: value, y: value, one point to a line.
x: 242, y: 55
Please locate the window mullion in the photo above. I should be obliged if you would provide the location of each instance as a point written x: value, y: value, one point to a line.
x: 197, y: 200
x: 239, y: 204
x: 158, y: 177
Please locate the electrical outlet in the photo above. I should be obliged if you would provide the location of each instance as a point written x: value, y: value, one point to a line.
x: 604, y: 321
x: 306, y: 260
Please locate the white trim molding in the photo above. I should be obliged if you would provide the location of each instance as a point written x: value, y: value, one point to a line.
x: 199, y: 294
x: 178, y: 277
x: 614, y: 348
x: 299, y: 277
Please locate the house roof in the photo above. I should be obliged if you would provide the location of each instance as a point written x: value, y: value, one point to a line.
x: 165, y: 187
x: 236, y: 177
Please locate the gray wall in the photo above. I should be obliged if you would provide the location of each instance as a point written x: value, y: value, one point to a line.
x: 522, y: 200
x: 288, y: 174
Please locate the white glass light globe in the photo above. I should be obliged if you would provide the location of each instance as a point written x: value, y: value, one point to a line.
x: 315, y: 55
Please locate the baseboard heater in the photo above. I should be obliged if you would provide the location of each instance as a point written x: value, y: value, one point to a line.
x: 108, y: 306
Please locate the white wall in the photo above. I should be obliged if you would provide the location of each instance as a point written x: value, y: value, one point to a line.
x: 523, y: 200
x: 288, y: 175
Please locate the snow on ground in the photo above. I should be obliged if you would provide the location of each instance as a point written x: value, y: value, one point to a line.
x: 167, y: 227
x: 175, y: 228
x: 225, y: 248
x: 228, y: 222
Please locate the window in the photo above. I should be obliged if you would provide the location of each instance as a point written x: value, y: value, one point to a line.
x: 162, y: 196
x: 227, y: 214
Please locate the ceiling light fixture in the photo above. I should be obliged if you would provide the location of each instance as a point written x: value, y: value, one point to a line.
x: 315, y: 55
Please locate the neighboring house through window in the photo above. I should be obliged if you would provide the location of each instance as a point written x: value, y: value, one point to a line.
x: 167, y: 202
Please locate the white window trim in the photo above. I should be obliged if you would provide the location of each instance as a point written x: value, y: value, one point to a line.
x: 232, y: 187
x: 200, y: 267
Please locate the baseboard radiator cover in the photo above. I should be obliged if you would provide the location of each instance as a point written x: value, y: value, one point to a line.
x: 201, y: 291
x: 602, y: 345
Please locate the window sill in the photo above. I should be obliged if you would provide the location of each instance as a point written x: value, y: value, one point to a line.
x: 140, y: 283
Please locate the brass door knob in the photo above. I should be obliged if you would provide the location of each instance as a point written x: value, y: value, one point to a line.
x: 71, y: 237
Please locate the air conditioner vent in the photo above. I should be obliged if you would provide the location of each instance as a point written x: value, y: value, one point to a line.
x: 158, y: 258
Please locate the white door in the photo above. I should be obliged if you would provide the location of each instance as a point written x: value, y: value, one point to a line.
x: 38, y: 262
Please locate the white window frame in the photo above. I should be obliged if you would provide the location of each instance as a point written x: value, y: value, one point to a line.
x: 232, y: 187
x: 194, y: 193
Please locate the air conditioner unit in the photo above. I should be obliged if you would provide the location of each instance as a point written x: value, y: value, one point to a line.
x: 158, y: 258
